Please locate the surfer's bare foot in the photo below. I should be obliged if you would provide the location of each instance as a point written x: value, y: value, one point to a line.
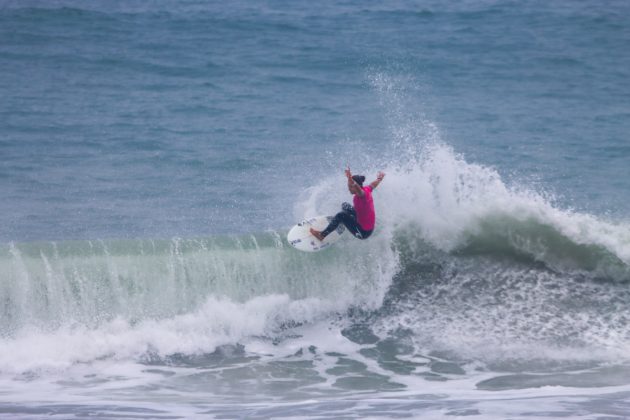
x: 317, y: 234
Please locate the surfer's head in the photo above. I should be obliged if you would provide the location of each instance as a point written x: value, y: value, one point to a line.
x: 359, y: 179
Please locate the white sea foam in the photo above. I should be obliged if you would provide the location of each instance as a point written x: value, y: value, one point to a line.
x: 217, y: 322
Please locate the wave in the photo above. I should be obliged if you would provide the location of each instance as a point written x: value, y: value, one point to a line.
x: 499, y: 273
x: 48, y: 285
x: 78, y: 301
x: 440, y: 220
x: 467, y: 209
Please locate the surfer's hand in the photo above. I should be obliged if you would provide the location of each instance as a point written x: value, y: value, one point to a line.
x: 348, y: 173
x: 379, y: 178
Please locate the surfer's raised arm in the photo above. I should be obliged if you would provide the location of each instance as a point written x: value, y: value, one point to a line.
x: 378, y: 180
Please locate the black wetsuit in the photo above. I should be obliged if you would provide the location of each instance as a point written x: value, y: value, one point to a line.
x: 348, y: 217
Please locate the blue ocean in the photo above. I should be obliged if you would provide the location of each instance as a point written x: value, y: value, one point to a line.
x: 154, y: 155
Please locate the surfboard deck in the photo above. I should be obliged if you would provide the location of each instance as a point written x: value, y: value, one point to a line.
x: 300, y: 238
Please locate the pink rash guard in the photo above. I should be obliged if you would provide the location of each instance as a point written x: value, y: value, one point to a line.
x: 364, y: 206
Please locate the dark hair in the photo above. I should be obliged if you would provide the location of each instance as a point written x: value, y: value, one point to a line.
x: 358, y: 179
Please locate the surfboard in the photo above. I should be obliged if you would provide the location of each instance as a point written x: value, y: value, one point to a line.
x: 300, y: 238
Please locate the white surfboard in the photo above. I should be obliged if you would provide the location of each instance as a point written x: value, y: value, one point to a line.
x: 300, y: 238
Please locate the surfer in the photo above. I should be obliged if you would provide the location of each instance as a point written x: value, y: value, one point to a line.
x: 360, y: 218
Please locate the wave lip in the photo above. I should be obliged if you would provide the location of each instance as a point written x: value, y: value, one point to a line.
x: 597, y: 248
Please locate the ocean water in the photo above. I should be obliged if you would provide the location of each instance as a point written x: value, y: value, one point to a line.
x: 154, y: 154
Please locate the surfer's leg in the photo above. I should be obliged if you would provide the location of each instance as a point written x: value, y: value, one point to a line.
x: 351, y: 222
x: 334, y: 224
x: 347, y: 217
